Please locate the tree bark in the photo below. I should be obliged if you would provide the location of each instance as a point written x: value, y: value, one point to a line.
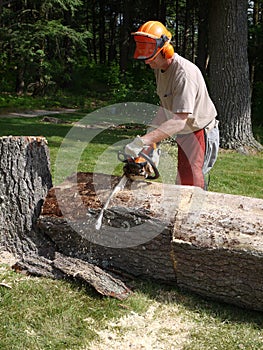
x: 254, y: 42
x: 187, y: 29
x: 201, y: 59
x: 24, y: 182
x: 20, y: 81
x: 112, y: 51
x: 124, y: 36
x: 62, y: 266
x: 102, y: 32
x: 94, y: 30
x: 209, y: 243
x: 229, y: 73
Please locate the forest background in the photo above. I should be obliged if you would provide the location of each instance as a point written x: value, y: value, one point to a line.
x: 73, y: 52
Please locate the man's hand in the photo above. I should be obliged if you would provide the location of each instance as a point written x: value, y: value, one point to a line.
x: 135, y: 147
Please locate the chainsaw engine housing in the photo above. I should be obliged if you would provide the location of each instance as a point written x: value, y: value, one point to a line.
x: 135, y: 170
x: 141, y: 167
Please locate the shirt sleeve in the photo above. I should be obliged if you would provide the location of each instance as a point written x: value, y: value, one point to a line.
x: 184, y: 95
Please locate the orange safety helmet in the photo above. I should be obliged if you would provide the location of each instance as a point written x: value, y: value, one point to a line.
x: 151, y: 38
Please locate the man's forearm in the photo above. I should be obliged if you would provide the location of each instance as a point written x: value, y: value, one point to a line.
x: 161, y: 117
x: 165, y: 130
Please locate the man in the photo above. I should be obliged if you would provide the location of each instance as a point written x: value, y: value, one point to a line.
x: 186, y: 112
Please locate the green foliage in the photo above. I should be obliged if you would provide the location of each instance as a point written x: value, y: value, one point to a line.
x: 107, y: 81
x: 138, y: 84
x: 48, y: 46
x: 27, y: 42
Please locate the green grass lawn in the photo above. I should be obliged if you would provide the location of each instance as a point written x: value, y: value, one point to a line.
x: 233, y: 173
x: 39, y: 313
x: 240, y: 174
x: 42, y: 314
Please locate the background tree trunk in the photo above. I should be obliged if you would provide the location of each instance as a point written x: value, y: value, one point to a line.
x: 112, y: 51
x: 102, y: 33
x: 201, y: 59
x: 177, y: 39
x: 229, y: 73
x: 187, y: 29
x: 24, y: 182
x: 254, y: 41
x: 20, y: 82
x: 124, y: 37
x: 94, y: 30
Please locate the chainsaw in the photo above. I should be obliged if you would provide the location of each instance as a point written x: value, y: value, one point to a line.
x: 140, y: 168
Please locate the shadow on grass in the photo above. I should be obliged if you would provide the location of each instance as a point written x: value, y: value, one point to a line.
x: 223, y: 312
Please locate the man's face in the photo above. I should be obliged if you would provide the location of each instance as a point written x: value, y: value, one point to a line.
x: 157, y: 62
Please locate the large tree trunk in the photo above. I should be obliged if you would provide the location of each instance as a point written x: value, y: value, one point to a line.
x: 210, y: 243
x: 24, y: 182
x: 229, y: 73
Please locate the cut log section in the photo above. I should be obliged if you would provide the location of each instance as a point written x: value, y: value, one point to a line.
x: 209, y: 243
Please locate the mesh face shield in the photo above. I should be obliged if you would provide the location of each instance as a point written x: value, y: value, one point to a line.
x: 147, y: 47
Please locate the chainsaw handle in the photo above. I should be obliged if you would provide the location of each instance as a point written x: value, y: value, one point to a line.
x: 156, y: 172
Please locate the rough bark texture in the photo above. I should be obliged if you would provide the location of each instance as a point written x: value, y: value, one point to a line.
x: 24, y: 182
x: 232, y: 276
x: 229, y: 73
x: 64, y: 267
x: 151, y: 260
x: 210, y: 243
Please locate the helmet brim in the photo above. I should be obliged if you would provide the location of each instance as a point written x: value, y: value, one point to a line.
x: 144, y: 34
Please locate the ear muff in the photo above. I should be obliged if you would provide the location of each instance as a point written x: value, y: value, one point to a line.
x: 168, y: 51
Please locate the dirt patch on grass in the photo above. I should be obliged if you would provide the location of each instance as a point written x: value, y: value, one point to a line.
x: 7, y: 258
x: 161, y: 327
